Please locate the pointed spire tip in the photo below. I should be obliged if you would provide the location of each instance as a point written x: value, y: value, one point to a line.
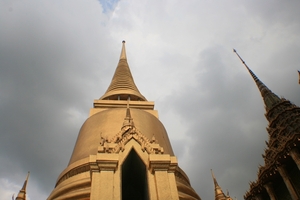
x: 269, y: 97
x: 123, y: 51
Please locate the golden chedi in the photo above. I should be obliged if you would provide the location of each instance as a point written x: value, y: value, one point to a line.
x: 123, y: 150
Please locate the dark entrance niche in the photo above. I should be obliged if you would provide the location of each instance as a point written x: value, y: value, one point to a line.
x: 134, y: 178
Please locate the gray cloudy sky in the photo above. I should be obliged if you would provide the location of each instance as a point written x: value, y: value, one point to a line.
x: 57, y: 56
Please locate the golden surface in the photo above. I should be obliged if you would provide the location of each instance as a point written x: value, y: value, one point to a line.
x: 109, y: 123
x: 122, y: 84
x: 94, y: 173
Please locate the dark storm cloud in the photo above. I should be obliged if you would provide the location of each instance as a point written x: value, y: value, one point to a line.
x: 57, y: 56
x: 225, y: 111
x: 224, y: 132
x: 45, y: 66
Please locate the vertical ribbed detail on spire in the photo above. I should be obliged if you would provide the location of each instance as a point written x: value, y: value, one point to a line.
x: 270, y: 99
x: 122, y: 85
x: 22, y: 193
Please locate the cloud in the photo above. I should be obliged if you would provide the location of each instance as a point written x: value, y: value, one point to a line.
x: 57, y: 56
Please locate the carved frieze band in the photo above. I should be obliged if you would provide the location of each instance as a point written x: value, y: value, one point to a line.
x: 114, y: 146
x: 73, y: 172
x: 97, y: 166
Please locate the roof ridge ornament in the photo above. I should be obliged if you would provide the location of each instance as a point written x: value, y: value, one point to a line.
x: 270, y: 99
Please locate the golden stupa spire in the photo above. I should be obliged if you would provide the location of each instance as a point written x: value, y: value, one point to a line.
x: 270, y: 99
x: 22, y: 193
x: 122, y: 85
x: 219, y: 194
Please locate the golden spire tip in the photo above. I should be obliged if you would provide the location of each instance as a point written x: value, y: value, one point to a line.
x: 123, y: 51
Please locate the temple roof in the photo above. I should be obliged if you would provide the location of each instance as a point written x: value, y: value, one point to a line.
x: 283, y: 129
x: 122, y: 85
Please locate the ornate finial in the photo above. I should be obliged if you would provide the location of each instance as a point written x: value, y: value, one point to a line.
x: 244, y: 63
x: 25, y: 183
x: 123, y: 51
x: 22, y: 193
x: 269, y: 97
x: 219, y: 194
x: 214, y: 178
x: 128, y: 121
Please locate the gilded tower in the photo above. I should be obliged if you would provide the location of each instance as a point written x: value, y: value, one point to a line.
x: 123, y: 150
x: 279, y: 177
x: 219, y: 194
x: 22, y: 192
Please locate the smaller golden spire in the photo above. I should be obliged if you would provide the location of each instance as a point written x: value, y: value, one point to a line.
x: 219, y: 194
x: 22, y: 193
x: 214, y: 178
